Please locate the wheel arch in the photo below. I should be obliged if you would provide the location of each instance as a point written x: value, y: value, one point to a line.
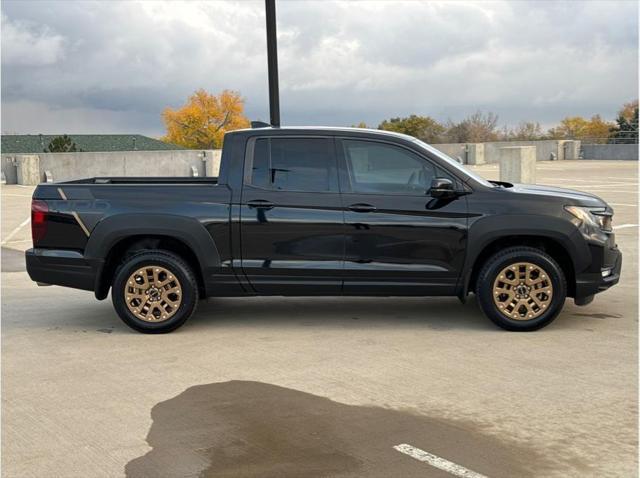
x: 117, y: 237
x: 546, y: 244
x: 552, y: 234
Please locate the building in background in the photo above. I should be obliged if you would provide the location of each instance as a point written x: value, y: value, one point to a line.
x: 39, y: 143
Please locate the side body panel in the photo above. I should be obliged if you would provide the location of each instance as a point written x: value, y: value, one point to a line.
x: 400, y: 240
x: 196, y: 215
x: 292, y: 242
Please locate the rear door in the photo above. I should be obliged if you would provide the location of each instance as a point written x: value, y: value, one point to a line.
x: 292, y: 223
x: 398, y: 239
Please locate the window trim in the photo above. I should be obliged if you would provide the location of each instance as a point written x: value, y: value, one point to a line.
x: 250, y: 155
x: 344, y: 167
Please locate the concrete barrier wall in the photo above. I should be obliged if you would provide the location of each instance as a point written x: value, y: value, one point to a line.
x: 67, y: 166
x: 518, y: 164
x: 468, y: 153
x: 455, y: 150
x: 610, y: 151
x: 7, y: 161
x: 544, y: 149
x: 479, y: 153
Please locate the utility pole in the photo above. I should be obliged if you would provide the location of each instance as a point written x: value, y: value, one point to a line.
x: 272, y: 61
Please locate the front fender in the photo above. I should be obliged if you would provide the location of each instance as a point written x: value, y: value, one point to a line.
x: 489, y: 229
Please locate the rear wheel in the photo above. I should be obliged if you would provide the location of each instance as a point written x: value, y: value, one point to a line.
x: 521, y: 289
x: 154, y: 292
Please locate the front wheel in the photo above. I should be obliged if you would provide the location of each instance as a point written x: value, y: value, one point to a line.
x: 154, y: 292
x: 521, y: 289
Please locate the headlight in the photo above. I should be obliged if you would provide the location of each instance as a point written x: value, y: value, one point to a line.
x: 592, y: 219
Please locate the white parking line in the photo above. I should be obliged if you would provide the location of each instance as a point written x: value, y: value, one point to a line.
x: 625, y: 226
x: 15, y: 231
x: 596, y: 182
x: 622, y: 204
x: 437, y: 462
x: 600, y: 186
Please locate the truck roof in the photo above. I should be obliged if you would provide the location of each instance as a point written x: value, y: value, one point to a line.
x: 326, y: 129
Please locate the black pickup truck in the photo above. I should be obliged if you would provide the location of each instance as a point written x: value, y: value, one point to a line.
x: 323, y: 212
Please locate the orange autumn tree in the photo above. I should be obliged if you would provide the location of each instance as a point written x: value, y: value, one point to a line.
x: 202, y: 122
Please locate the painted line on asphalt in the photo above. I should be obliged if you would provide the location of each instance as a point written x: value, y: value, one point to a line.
x: 622, y: 204
x: 437, y: 462
x: 595, y: 182
x: 16, y: 195
x: 594, y: 186
x: 625, y: 226
x: 584, y: 188
x: 15, y: 231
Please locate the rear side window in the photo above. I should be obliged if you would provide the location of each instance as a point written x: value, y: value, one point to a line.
x: 294, y: 164
x: 260, y: 174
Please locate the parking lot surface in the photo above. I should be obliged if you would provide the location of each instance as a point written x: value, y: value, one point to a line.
x: 322, y: 387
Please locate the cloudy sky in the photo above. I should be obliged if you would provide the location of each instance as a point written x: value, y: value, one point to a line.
x: 111, y: 67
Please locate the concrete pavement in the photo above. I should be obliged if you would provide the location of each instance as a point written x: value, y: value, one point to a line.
x: 322, y: 386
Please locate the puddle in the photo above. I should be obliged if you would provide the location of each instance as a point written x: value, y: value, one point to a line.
x: 253, y: 429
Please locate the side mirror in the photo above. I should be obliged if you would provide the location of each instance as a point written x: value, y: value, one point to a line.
x: 441, y: 188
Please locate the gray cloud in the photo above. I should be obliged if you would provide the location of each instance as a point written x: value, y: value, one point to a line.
x: 114, y: 66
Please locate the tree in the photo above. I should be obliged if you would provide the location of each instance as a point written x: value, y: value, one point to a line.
x: 202, y: 122
x: 576, y: 127
x: 61, y: 144
x: 477, y: 128
x: 422, y: 127
x: 525, y: 131
x: 626, y: 128
x: 571, y: 127
x: 629, y: 111
x: 362, y: 124
x: 598, y: 130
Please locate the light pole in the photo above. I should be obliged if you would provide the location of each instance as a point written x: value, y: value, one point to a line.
x: 272, y: 62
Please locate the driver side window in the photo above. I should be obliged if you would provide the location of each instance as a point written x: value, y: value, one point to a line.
x: 381, y: 168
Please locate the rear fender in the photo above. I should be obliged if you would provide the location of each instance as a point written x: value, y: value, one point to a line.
x: 189, y: 231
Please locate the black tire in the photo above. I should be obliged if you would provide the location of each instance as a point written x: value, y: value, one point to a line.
x: 505, y: 258
x: 176, y: 266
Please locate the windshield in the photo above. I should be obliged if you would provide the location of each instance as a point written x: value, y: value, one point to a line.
x: 453, y: 163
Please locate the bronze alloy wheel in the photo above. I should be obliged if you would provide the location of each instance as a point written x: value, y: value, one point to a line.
x: 522, y: 291
x: 153, y: 293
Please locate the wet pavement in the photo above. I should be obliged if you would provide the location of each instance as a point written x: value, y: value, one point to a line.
x: 254, y: 429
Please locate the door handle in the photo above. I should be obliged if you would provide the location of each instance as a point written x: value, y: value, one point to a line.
x: 362, y: 207
x: 260, y: 204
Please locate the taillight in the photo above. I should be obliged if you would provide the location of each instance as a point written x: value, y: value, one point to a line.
x: 39, y: 210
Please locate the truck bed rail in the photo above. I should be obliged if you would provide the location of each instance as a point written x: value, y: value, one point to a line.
x: 144, y: 180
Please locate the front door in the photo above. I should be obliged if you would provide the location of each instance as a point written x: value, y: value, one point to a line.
x: 399, y: 240
x: 292, y: 223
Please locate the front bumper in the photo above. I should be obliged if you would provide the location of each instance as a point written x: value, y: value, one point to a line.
x: 62, y: 267
x: 606, y: 260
